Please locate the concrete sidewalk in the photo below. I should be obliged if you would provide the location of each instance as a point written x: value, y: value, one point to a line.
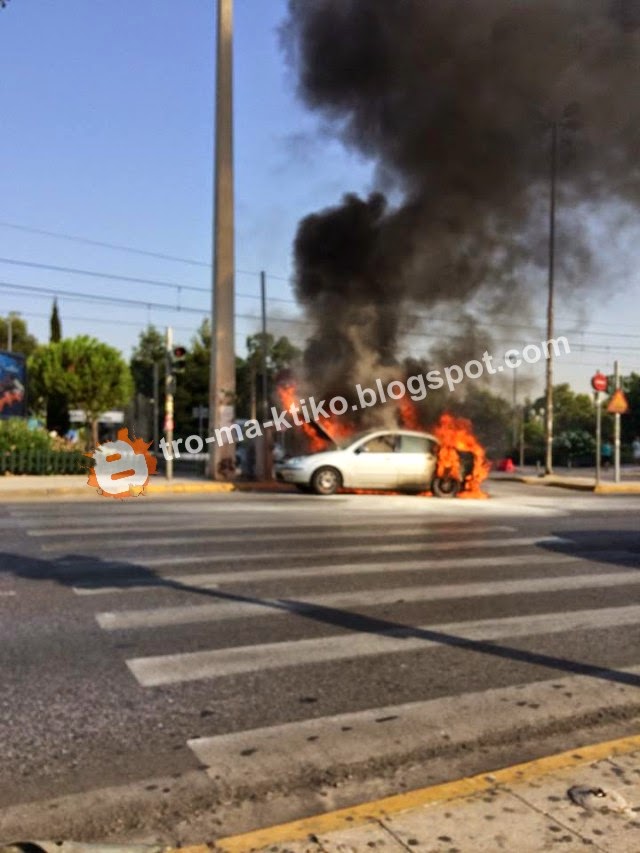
x: 526, y: 808
x: 72, y: 485
x: 579, y: 479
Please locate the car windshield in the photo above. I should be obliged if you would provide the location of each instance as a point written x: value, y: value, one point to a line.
x: 348, y: 440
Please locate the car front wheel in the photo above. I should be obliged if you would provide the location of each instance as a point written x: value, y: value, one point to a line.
x: 445, y: 487
x: 326, y: 481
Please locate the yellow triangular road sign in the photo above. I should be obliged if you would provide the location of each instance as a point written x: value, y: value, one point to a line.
x: 618, y: 404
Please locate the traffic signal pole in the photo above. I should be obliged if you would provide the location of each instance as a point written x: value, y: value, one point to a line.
x: 616, y: 429
x: 169, y: 388
x: 598, y: 436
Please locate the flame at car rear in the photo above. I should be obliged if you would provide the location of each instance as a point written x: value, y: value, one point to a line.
x: 455, y: 436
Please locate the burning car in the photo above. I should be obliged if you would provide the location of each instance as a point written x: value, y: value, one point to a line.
x: 399, y: 460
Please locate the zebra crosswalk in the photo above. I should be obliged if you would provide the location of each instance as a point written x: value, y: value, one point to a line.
x: 478, y: 629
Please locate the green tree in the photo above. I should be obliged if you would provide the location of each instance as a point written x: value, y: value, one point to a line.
x: 149, y: 350
x: 571, y: 411
x: 630, y: 423
x: 57, y: 406
x: 55, y: 333
x: 21, y: 340
x: 92, y: 375
x: 192, y: 386
x: 281, y: 356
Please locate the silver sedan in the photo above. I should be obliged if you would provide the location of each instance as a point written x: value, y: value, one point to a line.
x: 402, y: 460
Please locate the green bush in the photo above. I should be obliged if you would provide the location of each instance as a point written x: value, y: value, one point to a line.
x: 25, y: 450
x: 16, y: 435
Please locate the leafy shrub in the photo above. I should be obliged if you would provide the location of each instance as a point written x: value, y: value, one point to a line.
x: 16, y: 435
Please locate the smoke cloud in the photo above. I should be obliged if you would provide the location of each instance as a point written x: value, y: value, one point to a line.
x: 454, y: 100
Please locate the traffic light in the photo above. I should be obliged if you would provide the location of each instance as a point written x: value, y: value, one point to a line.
x: 178, y: 359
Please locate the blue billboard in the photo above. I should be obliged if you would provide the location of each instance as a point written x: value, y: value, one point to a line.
x: 13, y: 385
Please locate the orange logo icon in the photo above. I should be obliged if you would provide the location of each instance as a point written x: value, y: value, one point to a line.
x: 122, y: 468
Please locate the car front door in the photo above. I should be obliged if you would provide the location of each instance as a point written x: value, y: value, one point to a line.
x: 374, y: 463
x: 415, y: 462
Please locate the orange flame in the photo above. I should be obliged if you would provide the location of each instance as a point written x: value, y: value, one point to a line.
x: 456, y: 434
x: 288, y: 397
x: 408, y: 414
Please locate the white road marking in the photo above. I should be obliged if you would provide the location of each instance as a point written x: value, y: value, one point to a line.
x: 445, y: 545
x: 257, y: 755
x: 217, y: 663
x: 224, y: 610
x: 239, y: 534
x: 7, y: 592
x: 210, y: 580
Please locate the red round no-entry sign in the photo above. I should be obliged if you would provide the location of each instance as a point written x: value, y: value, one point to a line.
x: 599, y: 382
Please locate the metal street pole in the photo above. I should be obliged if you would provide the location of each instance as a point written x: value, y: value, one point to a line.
x: 616, y: 429
x: 169, y: 388
x: 266, y: 449
x: 514, y: 433
x: 548, y: 423
x: 598, y: 436
x: 222, y: 372
x: 156, y: 392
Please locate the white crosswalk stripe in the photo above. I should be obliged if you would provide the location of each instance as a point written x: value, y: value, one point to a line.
x: 225, y: 610
x: 399, y: 547
x: 172, y: 669
x: 131, y: 582
x: 257, y: 756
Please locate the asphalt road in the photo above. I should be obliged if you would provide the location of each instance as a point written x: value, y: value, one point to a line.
x: 176, y: 669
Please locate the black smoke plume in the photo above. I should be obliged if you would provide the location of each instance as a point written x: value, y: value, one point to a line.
x: 454, y: 101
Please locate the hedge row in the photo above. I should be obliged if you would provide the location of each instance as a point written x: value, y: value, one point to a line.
x: 34, y: 461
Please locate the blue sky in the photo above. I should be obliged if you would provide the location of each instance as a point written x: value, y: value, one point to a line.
x: 107, y: 134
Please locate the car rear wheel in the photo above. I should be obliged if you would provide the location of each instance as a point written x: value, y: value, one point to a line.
x: 445, y: 487
x: 326, y: 481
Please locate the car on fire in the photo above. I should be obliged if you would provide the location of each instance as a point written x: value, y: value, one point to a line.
x: 398, y: 460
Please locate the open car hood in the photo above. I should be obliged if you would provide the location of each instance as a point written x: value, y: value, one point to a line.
x: 322, y: 432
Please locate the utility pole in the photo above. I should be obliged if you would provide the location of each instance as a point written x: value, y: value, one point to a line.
x: 598, y: 437
x: 12, y: 315
x: 169, y: 390
x: 156, y: 392
x: 616, y: 428
x: 222, y: 372
x: 548, y: 421
x: 266, y: 449
x: 514, y: 425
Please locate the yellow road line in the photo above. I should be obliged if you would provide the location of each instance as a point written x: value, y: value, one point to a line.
x: 350, y: 817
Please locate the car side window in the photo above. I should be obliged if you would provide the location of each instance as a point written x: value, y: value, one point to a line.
x: 416, y: 444
x: 380, y: 444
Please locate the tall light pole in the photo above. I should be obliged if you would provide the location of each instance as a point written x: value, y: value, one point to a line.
x: 570, y: 119
x: 222, y: 373
x: 548, y: 420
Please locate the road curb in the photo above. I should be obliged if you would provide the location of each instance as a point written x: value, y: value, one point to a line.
x: 632, y: 488
x: 349, y: 818
x: 151, y: 490
x: 618, y: 489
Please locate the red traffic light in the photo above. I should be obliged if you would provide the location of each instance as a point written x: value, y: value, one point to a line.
x: 179, y: 352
